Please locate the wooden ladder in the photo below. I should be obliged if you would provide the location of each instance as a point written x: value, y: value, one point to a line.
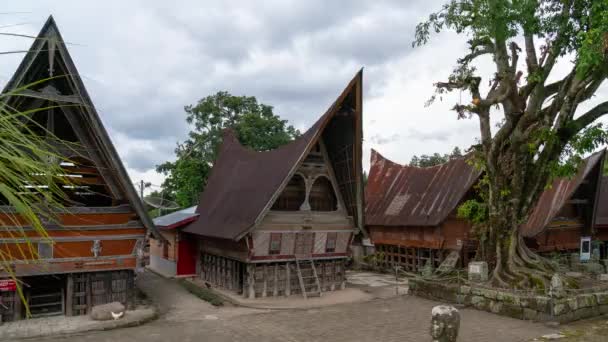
x: 449, y: 263
x: 307, y: 287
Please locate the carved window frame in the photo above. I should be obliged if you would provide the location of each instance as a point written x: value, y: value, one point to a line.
x: 274, y: 243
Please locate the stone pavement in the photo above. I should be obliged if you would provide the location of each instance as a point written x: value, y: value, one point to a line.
x: 186, y: 318
x: 59, y: 325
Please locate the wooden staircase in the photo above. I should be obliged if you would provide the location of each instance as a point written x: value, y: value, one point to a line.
x: 449, y: 263
x: 309, y: 281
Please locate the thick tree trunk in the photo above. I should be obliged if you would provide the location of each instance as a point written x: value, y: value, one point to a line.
x: 501, y: 244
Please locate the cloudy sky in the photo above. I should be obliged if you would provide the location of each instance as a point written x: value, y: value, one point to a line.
x: 142, y: 61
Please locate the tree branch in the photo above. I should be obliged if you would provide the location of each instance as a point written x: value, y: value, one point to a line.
x: 474, y: 54
x: 588, y: 118
x: 531, y: 59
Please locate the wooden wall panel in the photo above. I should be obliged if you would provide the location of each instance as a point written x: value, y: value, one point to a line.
x: 287, y: 244
x: 69, y: 232
x: 75, y: 219
x: 320, y: 243
x: 342, y: 242
x: 157, y: 249
x: 83, y: 248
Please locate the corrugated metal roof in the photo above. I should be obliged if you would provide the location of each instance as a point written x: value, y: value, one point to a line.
x: 553, y: 199
x: 243, y: 181
x: 176, y: 219
x: 601, y: 216
x: 400, y: 195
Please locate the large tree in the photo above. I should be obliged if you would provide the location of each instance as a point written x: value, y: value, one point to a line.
x: 544, y: 128
x: 255, y: 124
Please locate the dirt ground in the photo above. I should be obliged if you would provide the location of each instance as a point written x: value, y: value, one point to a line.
x: 385, y: 318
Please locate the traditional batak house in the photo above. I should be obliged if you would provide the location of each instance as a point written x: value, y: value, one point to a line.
x: 280, y: 222
x: 601, y: 218
x: 96, y: 241
x: 176, y: 257
x: 566, y: 211
x: 411, y: 211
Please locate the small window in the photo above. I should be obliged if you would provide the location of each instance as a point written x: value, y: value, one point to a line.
x: 330, y: 246
x: 45, y: 250
x: 275, y: 243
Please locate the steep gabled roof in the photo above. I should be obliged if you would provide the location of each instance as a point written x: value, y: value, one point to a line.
x: 50, y: 46
x: 601, y: 216
x: 401, y: 195
x: 553, y: 199
x: 244, y: 183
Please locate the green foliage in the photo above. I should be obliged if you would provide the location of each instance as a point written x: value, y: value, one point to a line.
x: 374, y: 259
x: 588, y: 140
x: 30, y: 178
x: 435, y: 158
x: 255, y: 124
x: 202, y: 293
x: 474, y: 211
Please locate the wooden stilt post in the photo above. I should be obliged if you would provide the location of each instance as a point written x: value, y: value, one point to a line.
x: 69, y: 295
x: 251, y: 280
x: 333, y: 276
x: 265, y: 286
x: 342, y: 275
x: 275, y: 290
x: 287, y: 280
x: 18, y: 306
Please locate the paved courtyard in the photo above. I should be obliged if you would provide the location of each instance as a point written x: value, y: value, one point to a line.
x: 185, y: 318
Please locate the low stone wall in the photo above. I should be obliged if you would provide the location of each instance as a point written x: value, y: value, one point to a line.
x: 521, y: 306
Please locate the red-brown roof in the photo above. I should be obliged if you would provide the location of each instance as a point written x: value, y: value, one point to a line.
x: 552, y: 200
x: 400, y: 195
x: 243, y: 182
x: 601, y: 216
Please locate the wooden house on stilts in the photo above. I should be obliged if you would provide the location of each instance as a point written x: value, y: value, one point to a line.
x: 411, y: 212
x: 280, y: 222
x: 97, y: 238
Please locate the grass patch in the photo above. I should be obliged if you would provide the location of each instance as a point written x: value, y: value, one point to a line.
x: 202, y: 293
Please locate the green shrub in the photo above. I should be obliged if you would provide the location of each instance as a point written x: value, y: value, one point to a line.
x: 202, y: 293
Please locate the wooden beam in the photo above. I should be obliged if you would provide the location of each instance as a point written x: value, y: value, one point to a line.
x: 48, y: 95
x: 69, y: 304
x: 85, y: 139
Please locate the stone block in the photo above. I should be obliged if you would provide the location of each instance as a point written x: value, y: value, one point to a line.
x: 542, y: 304
x: 603, y: 309
x: 106, y: 312
x: 586, y: 300
x: 478, y: 271
x: 530, y: 315
x: 508, y: 298
x: 572, y: 303
x: 479, y: 302
x: 594, y: 268
x: 586, y: 312
x: 465, y: 290
x: 495, y: 306
x: 491, y: 294
x: 601, y: 298
x: 602, y: 277
x: 560, y: 308
x: 510, y: 310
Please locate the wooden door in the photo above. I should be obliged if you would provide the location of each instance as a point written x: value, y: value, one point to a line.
x: 304, y: 244
x: 186, y: 256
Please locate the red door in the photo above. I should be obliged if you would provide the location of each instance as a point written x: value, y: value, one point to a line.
x: 186, y: 256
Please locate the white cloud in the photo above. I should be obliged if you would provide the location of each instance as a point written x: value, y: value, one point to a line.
x: 142, y: 61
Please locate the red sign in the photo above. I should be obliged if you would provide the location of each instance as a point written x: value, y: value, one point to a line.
x: 7, y: 285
